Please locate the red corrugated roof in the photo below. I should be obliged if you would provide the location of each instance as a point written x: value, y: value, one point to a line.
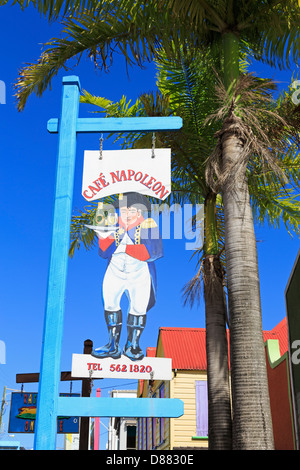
x: 151, y: 352
x: 279, y: 332
x: 186, y: 346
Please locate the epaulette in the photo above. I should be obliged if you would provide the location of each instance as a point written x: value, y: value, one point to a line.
x: 148, y: 223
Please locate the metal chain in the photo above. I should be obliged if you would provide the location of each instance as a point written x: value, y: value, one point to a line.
x: 153, y: 145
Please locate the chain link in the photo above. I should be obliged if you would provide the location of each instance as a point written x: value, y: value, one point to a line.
x: 101, y: 147
x: 153, y: 145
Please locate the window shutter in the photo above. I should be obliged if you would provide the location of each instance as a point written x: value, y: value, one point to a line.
x: 147, y: 433
x: 143, y: 433
x: 201, y: 408
x: 138, y: 444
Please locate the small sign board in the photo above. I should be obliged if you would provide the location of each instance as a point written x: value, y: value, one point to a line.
x: 122, y: 171
x: 23, y: 414
x: 149, y: 368
x: 292, y: 300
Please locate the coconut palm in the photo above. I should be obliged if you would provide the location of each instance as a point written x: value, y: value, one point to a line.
x: 240, y: 138
x: 269, y: 31
x: 251, y: 429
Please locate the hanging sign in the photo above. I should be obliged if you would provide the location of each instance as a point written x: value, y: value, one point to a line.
x: 149, y: 368
x: 23, y: 414
x: 131, y: 246
x: 122, y: 171
x: 130, y: 240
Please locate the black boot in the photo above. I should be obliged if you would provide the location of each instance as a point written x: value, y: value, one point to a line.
x: 114, y: 326
x: 135, y: 327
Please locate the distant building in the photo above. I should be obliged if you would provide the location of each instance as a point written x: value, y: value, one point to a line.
x: 280, y: 389
x: 122, y: 431
x: 292, y: 301
x: 71, y: 441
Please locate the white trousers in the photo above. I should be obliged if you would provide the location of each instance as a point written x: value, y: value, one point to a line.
x: 127, y: 275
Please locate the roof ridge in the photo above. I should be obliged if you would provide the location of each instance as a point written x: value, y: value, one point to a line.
x: 282, y: 324
x: 187, y: 346
x: 176, y: 328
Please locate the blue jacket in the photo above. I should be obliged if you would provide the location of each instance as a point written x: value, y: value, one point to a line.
x: 147, y: 246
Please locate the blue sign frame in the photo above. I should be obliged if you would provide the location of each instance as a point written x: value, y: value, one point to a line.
x: 22, y: 416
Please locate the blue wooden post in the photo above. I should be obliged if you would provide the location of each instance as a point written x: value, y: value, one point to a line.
x: 46, y: 422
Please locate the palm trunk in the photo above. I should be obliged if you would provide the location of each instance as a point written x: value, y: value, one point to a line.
x: 252, y: 424
x: 231, y: 58
x: 219, y: 406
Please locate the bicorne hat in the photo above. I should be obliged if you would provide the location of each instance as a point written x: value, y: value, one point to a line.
x: 133, y: 200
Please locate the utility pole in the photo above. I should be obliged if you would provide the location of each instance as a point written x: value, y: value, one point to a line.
x: 2, y: 407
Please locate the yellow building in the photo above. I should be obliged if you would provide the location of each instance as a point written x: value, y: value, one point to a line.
x: 186, y: 347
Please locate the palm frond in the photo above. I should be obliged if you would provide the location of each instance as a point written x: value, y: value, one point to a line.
x: 53, y: 9
x: 277, y: 35
x: 275, y: 209
x: 98, y: 42
x: 140, y: 29
x: 192, y: 290
x: 137, y: 33
x: 247, y: 110
x: 79, y: 233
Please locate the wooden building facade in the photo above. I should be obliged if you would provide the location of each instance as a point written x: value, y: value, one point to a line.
x: 186, y: 347
x: 189, y: 383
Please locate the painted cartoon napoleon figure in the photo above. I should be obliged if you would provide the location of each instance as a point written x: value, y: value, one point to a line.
x: 131, y: 251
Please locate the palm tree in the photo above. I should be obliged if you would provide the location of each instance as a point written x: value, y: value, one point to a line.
x: 243, y: 137
x: 252, y: 429
x: 184, y: 83
x: 269, y: 31
x: 181, y: 84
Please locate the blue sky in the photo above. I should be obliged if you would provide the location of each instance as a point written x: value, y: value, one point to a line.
x: 28, y: 161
